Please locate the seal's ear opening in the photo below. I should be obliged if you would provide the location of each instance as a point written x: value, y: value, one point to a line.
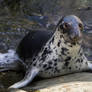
x: 81, y: 26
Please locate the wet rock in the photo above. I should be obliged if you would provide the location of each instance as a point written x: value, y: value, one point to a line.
x: 16, y: 90
x: 78, y: 82
x: 70, y: 87
x: 41, y: 20
x: 3, y: 90
x: 1, y: 85
x: 9, y: 77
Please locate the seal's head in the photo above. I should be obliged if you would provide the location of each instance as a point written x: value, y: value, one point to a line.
x: 71, y: 28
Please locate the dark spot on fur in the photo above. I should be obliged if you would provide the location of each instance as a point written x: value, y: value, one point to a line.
x: 46, y: 51
x: 63, y: 67
x: 75, y: 58
x: 60, y: 36
x: 70, y: 46
x: 81, y: 54
x: 50, y: 63
x: 66, y: 63
x: 45, y: 65
x: 67, y: 52
x: 69, y: 68
x: 55, y: 59
x: 59, y: 43
x: 86, y: 63
x: 55, y: 64
x: 60, y: 55
x: 49, y: 67
x: 63, y: 50
x: 81, y: 60
x: 68, y: 58
x: 54, y: 48
x: 79, y: 50
x: 43, y: 57
x: 57, y: 70
x: 44, y: 54
x: 65, y: 42
x: 78, y: 60
x: 76, y: 66
x: 34, y: 59
x: 34, y: 64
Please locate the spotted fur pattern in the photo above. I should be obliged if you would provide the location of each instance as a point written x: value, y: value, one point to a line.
x: 58, y: 57
x: 62, y: 54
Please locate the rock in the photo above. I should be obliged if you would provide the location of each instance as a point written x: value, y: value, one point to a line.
x: 78, y: 82
x: 8, y: 78
x: 16, y: 90
x: 70, y: 87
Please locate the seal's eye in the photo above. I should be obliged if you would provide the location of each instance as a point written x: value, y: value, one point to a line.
x: 81, y: 26
x: 64, y: 26
x: 67, y: 26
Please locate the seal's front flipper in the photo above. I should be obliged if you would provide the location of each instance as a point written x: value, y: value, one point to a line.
x: 30, y: 74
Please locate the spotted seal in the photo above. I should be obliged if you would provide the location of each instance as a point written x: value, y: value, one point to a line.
x: 61, y: 54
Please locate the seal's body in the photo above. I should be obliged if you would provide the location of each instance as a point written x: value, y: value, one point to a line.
x: 61, y: 54
x: 58, y: 59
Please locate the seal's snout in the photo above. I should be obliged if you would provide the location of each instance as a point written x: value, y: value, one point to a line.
x: 75, y: 33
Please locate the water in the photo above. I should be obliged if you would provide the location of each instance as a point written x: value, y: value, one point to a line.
x: 8, y: 58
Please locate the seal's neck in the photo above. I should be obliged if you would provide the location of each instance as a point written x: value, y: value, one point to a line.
x: 59, y: 42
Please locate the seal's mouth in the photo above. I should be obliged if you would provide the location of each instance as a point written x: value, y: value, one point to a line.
x: 76, y: 41
x: 72, y: 41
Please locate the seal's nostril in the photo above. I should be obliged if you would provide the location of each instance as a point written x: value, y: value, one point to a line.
x: 75, y: 37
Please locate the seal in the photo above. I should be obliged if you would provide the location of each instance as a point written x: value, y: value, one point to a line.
x: 61, y: 53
